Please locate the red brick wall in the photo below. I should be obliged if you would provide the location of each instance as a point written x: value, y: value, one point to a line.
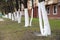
x: 35, y: 12
x: 51, y: 12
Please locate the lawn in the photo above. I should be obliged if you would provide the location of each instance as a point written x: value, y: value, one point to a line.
x: 11, y: 30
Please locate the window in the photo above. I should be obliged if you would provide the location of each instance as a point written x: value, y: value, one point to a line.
x: 48, y: 10
x: 55, y: 10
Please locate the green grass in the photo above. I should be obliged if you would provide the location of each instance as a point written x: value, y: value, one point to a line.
x: 11, y: 30
x: 55, y: 24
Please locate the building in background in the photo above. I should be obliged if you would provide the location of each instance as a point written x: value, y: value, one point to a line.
x: 52, y: 7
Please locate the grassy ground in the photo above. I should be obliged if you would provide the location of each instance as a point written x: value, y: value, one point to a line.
x: 11, y: 30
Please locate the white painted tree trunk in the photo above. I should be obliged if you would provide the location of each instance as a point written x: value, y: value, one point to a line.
x: 31, y: 18
x: 40, y: 19
x: 19, y: 17
x: 12, y: 17
x: 45, y: 30
x: 26, y: 18
x: 9, y: 14
x: 15, y: 16
x: 5, y: 16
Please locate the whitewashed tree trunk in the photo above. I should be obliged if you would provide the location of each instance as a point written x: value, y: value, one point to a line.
x: 9, y: 15
x: 5, y: 16
x: 31, y: 18
x: 15, y: 16
x: 26, y: 18
x: 12, y: 17
x: 18, y: 16
x: 45, y: 30
x: 40, y: 19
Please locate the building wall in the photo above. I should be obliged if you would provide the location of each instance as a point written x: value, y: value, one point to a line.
x: 51, y: 15
x: 35, y: 12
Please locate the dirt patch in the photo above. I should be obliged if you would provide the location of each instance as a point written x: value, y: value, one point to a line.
x: 28, y: 35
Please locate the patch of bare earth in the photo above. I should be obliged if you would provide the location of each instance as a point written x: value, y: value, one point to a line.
x: 27, y: 35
